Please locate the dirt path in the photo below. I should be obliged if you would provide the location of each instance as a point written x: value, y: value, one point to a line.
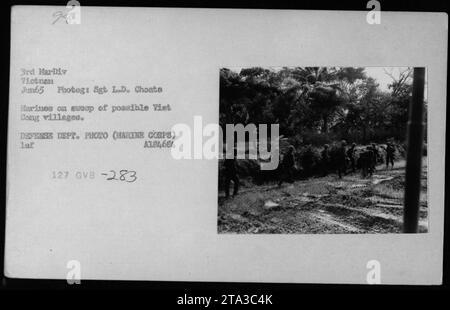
x: 323, y: 205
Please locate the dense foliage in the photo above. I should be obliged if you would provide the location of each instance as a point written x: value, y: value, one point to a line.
x: 317, y: 105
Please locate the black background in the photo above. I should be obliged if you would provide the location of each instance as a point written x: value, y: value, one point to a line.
x: 166, y: 293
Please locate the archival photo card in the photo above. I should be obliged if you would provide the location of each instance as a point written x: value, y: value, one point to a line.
x: 226, y: 145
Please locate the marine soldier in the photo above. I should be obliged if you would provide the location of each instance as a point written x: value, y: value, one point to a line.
x: 366, y: 161
x: 287, y: 166
x: 390, y: 153
x: 325, y: 159
x: 375, y: 157
x: 351, y: 156
x: 231, y: 175
x: 308, y: 161
x: 341, y: 159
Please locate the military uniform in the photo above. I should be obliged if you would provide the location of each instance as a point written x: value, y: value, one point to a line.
x: 390, y: 153
x: 231, y: 175
x: 351, y: 157
x: 366, y: 160
x: 287, y: 167
x: 341, y: 160
x: 325, y: 158
x: 375, y: 156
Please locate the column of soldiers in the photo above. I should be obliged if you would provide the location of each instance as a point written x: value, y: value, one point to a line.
x: 343, y: 158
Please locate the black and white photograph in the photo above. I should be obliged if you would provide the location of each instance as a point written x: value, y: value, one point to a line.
x: 342, y: 144
x: 225, y: 148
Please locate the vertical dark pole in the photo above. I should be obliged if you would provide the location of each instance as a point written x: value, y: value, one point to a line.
x: 414, y: 153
